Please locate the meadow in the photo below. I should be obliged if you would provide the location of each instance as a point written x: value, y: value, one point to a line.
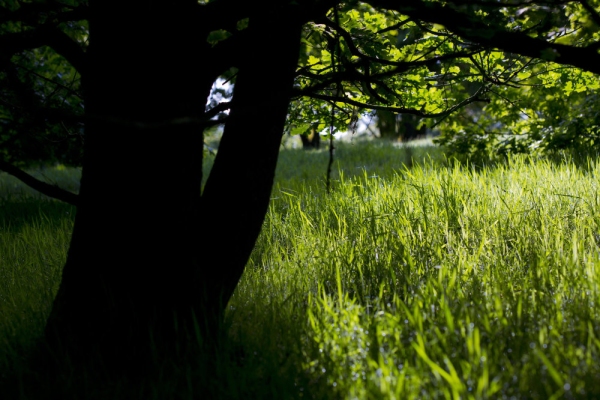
x: 413, y: 278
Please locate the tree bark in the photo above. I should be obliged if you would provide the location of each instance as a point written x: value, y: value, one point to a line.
x: 237, y: 194
x: 150, y: 258
x: 134, y: 249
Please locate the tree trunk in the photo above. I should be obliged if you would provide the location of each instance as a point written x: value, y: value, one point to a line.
x: 387, y: 124
x: 311, y: 141
x: 408, y: 128
x: 399, y: 127
x: 237, y: 194
x: 149, y: 256
x: 132, y: 255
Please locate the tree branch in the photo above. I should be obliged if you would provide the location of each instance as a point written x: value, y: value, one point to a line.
x: 400, y: 64
x: 213, y: 112
x: 590, y: 9
x: 493, y: 36
x: 41, y: 12
x: 491, y: 4
x: 12, y: 43
x: 42, y: 187
x: 400, y: 110
x: 351, y: 73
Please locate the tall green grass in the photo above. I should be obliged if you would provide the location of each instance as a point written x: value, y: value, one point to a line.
x: 428, y: 281
x: 440, y: 282
x: 34, y: 238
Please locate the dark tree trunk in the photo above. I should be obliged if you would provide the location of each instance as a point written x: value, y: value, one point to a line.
x: 399, y: 127
x: 134, y: 249
x: 312, y: 141
x: 388, y: 125
x: 408, y: 128
x: 237, y: 194
x: 149, y: 256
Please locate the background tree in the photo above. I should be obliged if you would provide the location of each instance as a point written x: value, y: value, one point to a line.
x: 311, y: 140
x: 149, y: 263
x: 402, y: 128
x: 552, y: 109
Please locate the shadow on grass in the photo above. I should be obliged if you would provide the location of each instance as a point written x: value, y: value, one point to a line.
x: 187, y: 369
x: 18, y: 213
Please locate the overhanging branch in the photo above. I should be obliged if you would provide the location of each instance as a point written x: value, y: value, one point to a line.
x: 402, y: 110
x: 591, y: 10
x: 586, y: 58
x: 36, y: 13
x: 352, y: 74
x: 12, y: 43
x: 42, y: 187
x: 219, y: 108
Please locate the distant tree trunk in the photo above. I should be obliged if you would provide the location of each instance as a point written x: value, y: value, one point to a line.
x: 399, y: 127
x: 407, y: 128
x: 388, y: 125
x: 149, y: 256
x: 311, y: 141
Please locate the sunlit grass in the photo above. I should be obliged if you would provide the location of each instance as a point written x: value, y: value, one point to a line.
x: 440, y: 282
x: 428, y: 281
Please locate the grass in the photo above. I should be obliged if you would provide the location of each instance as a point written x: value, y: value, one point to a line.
x: 428, y: 281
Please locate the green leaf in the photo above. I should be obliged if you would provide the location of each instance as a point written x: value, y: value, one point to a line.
x: 217, y: 36
x: 242, y: 24
x: 300, y: 129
